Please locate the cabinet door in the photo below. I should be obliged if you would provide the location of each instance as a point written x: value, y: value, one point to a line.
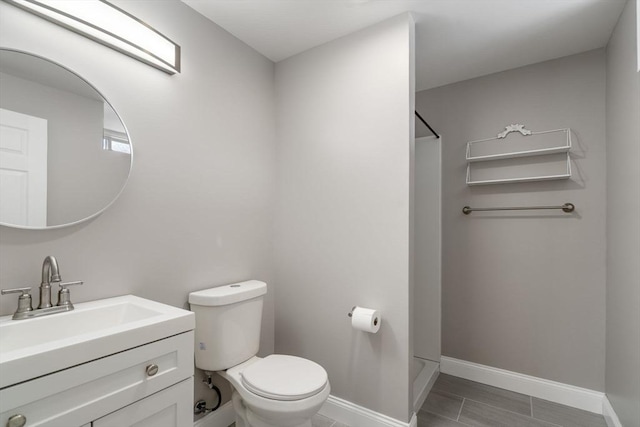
x: 171, y: 407
x: 78, y: 395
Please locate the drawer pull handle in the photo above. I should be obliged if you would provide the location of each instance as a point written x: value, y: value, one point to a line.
x: 18, y: 420
x: 152, y: 369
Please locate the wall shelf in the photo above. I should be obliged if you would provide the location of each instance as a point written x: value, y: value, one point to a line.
x: 526, y: 153
x: 524, y: 179
x: 506, y: 154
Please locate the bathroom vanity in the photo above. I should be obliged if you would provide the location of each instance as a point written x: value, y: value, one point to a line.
x: 122, y: 361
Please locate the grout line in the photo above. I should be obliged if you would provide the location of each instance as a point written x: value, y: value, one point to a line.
x: 512, y: 412
x: 460, y: 411
x: 446, y: 418
x: 531, y: 403
x: 438, y: 415
x: 492, y: 406
x: 495, y: 407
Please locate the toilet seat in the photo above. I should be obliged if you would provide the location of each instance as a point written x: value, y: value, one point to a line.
x: 283, y: 377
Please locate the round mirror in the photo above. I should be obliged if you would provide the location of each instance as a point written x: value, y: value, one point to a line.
x: 65, y: 155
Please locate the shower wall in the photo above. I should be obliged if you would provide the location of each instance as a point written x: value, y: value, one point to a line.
x: 525, y: 291
x: 427, y: 265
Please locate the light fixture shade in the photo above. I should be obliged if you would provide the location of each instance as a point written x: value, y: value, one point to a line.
x: 111, y: 26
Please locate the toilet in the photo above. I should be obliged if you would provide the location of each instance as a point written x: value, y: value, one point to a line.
x: 274, y: 391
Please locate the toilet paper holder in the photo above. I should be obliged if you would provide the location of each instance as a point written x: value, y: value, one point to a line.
x: 350, y: 314
x: 372, y: 316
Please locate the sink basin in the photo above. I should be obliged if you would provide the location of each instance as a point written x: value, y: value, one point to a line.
x: 34, y: 347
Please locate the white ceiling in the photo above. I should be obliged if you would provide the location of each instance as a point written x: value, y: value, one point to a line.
x: 455, y: 39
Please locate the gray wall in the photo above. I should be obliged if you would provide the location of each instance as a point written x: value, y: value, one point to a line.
x: 343, y: 229
x: 623, y: 221
x: 526, y: 291
x: 197, y: 209
x: 428, y: 254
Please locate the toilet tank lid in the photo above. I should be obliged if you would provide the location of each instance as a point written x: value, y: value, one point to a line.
x: 228, y: 294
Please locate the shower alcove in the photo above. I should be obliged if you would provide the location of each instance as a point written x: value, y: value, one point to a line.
x: 427, y: 265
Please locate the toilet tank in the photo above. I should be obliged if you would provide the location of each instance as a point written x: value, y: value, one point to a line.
x: 228, y: 321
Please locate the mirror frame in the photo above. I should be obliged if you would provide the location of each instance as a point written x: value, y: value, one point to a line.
x: 124, y: 185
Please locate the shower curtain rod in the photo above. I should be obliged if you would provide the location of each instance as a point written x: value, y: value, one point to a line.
x: 567, y: 208
x: 427, y: 124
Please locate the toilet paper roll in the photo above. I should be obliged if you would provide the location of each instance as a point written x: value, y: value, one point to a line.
x: 366, y: 319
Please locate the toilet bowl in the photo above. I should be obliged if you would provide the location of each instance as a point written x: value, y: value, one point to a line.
x: 274, y: 391
x: 277, y: 391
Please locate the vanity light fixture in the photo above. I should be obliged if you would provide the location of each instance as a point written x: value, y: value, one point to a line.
x: 111, y: 26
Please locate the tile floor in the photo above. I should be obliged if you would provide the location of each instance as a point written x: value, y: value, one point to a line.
x: 319, y: 421
x: 456, y: 402
x: 322, y: 421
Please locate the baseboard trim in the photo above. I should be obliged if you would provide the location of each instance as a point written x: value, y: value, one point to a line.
x: 609, y: 414
x: 414, y: 420
x: 420, y: 393
x: 224, y: 416
x: 576, y: 397
x: 358, y: 416
x: 338, y: 409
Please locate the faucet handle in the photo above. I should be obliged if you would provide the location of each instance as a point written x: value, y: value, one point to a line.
x: 24, y: 300
x: 25, y: 291
x: 64, y: 296
x: 63, y: 286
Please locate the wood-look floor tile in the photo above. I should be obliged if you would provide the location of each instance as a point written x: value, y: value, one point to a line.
x: 505, y: 399
x: 565, y: 415
x: 442, y: 403
x: 480, y: 415
x: 321, y: 421
x: 427, y: 419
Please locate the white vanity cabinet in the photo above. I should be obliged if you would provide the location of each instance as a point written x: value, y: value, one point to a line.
x: 148, y: 385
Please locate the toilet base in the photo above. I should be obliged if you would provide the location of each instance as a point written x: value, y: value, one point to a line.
x: 242, y: 423
x: 246, y: 418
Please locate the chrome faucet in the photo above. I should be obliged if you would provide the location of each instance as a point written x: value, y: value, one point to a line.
x: 50, y: 273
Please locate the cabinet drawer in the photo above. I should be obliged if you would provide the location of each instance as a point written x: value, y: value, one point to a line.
x: 80, y: 394
x: 171, y: 407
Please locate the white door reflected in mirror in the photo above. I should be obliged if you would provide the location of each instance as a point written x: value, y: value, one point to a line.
x: 23, y: 169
